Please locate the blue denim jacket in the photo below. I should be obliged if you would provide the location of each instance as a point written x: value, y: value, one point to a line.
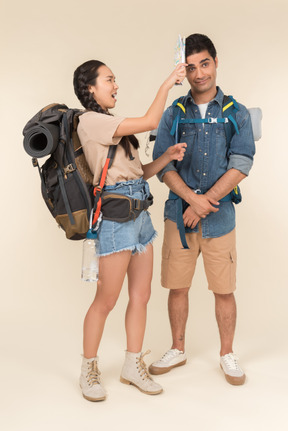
x: 206, y: 158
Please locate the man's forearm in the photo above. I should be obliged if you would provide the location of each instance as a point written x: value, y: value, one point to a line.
x: 175, y: 183
x: 225, y: 184
x: 201, y: 204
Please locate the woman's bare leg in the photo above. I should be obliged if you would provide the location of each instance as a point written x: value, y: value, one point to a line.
x: 139, y: 287
x: 112, y: 270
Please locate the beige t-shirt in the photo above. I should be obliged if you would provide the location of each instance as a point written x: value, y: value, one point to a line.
x: 96, y: 132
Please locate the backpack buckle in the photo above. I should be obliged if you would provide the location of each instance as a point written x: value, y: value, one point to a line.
x: 137, y: 204
x: 212, y: 120
x: 68, y: 169
x: 97, y: 189
x: 34, y: 162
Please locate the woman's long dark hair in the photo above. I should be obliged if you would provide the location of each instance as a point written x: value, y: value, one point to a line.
x: 85, y: 75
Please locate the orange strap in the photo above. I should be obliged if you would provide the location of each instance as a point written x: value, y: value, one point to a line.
x: 99, y: 189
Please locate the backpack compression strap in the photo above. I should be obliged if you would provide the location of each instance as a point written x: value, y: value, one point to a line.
x: 98, y: 189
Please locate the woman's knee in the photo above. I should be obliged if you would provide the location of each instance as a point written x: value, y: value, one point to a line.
x: 104, y: 304
x: 140, y: 298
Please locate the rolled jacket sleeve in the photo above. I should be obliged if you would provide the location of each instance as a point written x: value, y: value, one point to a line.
x: 242, y: 145
x: 241, y: 163
x: 163, y: 141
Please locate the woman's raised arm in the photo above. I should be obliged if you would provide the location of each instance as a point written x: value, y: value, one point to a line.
x: 151, y: 119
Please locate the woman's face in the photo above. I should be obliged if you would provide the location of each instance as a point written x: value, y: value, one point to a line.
x: 105, y: 89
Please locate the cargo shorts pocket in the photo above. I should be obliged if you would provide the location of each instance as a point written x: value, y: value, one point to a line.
x: 177, y: 268
x: 221, y: 272
x: 233, y: 260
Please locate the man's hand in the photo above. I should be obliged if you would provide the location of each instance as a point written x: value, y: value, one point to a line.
x: 202, y: 205
x: 190, y: 218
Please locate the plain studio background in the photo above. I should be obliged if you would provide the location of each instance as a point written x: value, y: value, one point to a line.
x: 43, y: 301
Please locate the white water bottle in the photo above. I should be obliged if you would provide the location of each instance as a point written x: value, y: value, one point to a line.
x: 90, y: 257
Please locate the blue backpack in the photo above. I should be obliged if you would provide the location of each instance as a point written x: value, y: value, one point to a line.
x: 229, y: 109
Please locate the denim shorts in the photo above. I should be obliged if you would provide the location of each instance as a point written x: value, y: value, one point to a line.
x: 133, y: 235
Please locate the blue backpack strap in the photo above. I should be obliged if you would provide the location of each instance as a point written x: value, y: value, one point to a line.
x: 178, y: 110
x: 209, y: 120
x: 179, y: 218
x: 229, y: 110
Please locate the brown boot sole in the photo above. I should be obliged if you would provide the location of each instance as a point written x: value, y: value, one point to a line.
x: 235, y: 381
x: 94, y: 399
x: 163, y: 370
x: 127, y: 382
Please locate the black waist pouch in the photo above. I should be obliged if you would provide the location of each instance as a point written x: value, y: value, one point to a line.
x: 121, y: 208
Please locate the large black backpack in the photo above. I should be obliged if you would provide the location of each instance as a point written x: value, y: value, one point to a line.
x: 66, y: 180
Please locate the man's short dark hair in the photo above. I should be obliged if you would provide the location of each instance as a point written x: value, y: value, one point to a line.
x: 199, y: 42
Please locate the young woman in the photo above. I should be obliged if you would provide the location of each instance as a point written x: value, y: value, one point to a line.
x: 125, y: 248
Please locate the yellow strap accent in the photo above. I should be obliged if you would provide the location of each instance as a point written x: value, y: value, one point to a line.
x: 227, y: 106
x: 236, y: 190
x: 181, y: 106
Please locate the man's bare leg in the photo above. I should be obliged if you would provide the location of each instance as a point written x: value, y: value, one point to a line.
x: 226, y: 312
x: 178, y: 307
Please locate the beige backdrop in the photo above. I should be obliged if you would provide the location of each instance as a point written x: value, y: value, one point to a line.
x: 43, y: 301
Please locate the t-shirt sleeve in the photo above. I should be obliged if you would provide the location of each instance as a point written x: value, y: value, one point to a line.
x: 100, y: 128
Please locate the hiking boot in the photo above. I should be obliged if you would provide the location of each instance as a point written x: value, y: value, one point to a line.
x: 90, y: 380
x: 134, y: 372
x: 171, y: 359
x: 233, y: 373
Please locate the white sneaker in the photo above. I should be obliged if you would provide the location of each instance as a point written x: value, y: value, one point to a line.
x: 90, y: 380
x: 171, y: 359
x: 233, y: 372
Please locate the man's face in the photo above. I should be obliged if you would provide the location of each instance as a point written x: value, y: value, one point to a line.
x: 201, y: 74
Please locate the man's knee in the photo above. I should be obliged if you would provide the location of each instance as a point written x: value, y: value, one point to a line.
x: 179, y: 293
x: 224, y: 297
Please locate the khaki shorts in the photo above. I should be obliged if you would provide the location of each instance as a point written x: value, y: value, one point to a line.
x: 178, y: 264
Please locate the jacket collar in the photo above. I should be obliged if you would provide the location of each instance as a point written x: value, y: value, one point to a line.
x: 218, y: 98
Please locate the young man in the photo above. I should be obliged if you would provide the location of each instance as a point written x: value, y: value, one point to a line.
x: 211, y: 169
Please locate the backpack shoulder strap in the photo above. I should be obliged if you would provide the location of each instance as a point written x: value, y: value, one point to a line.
x: 179, y: 103
x: 178, y: 109
x: 229, y: 110
x: 98, y: 189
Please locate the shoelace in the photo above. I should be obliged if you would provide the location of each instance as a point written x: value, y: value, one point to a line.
x: 93, y: 376
x: 231, y: 361
x: 170, y: 354
x: 142, y: 367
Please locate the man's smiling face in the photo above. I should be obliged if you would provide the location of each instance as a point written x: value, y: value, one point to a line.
x: 201, y: 74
